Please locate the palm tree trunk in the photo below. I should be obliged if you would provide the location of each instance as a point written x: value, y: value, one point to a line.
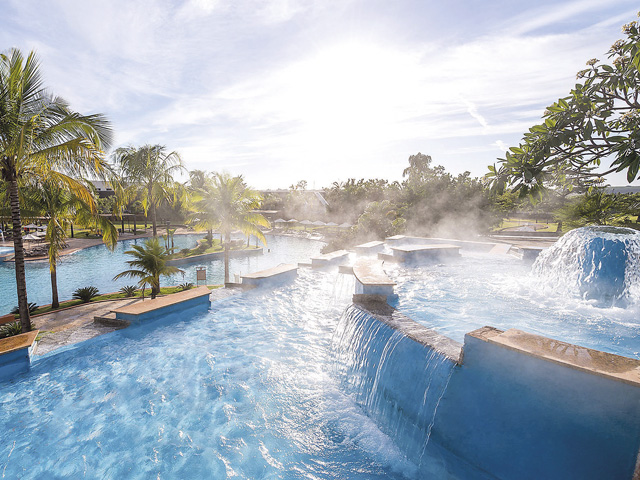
x: 227, y: 239
x: 151, y: 203
x: 154, y: 220
x: 54, y: 288
x: 21, y: 282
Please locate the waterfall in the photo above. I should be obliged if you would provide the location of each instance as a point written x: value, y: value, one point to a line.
x: 397, y: 381
x: 599, y: 263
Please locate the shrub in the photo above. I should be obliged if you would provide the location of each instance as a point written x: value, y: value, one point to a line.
x: 186, y: 286
x: 10, y: 329
x: 128, y: 290
x: 185, y: 251
x: 85, y: 293
x: 32, y: 308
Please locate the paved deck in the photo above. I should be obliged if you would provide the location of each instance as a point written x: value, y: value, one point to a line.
x: 73, y: 325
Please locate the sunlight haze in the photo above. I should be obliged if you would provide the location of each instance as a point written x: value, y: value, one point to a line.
x: 288, y: 90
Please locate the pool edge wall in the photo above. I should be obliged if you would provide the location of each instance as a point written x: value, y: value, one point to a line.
x: 15, y: 356
x: 517, y: 415
x: 198, y: 301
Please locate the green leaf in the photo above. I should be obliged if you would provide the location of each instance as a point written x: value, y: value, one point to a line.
x: 588, y: 128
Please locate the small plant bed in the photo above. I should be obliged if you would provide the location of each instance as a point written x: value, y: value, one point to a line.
x: 113, y: 296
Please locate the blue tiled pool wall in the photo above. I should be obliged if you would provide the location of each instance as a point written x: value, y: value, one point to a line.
x: 518, y: 416
x: 15, y: 363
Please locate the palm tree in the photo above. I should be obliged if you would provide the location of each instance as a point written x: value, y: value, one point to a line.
x: 148, y: 171
x: 62, y: 207
x: 149, y: 264
x: 228, y: 203
x: 41, y: 137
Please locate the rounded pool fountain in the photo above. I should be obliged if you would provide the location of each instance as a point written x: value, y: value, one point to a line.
x: 597, y: 263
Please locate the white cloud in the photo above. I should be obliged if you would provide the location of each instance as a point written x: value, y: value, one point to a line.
x: 287, y: 85
x: 500, y: 145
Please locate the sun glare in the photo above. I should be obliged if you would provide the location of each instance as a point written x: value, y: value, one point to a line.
x: 348, y: 95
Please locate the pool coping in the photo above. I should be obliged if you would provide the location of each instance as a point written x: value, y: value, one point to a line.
x: 371, y: 273
x: 18, y: 342
x: 157, y: 303
x: 588, y: 360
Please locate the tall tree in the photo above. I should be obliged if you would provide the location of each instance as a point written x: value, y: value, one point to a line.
x: 61, y: 207
x: 598, y: 121
x: 149, y: 171
x: 228, y: 203
x: 150, y: 262
x: 41, y: 137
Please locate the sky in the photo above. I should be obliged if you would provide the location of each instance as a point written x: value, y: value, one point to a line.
x: 317, y: 90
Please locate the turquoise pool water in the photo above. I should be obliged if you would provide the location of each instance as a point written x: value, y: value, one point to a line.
x: 245, y: 391
x: 459, y: 296
x: 97, y: 266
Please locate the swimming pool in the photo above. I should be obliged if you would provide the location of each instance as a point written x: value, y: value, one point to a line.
x: 459, y: 296
x: 246, y: 390
x: 97, y: 266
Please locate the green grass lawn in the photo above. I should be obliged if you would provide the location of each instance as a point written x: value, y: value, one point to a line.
x: 513, y: 222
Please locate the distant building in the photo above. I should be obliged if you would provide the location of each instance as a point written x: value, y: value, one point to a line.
x: 103, y: 188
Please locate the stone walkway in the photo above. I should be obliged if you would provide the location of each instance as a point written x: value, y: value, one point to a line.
x: 75, y: 324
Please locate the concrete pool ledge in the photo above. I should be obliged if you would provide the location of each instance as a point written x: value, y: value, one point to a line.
x: 385, y: 313
x: 174, y: 303
x: 421, y: 252
x: 596, y: 362
x: 371, y: 279
x: 15, y: 354
x: 369, y: 248
x: 272, y: 276
x: 328, y: 259
x: 512, y: 398
x: 473, y: 245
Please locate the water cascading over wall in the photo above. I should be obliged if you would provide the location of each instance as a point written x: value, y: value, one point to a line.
x: 399, y: 381
x: 514, y: 405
